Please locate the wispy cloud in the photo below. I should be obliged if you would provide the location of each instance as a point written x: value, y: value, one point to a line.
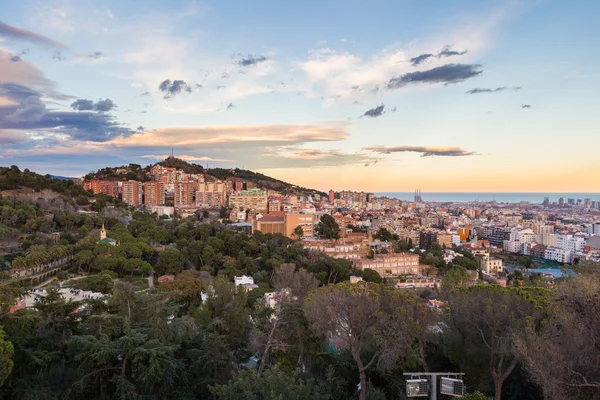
x: 420, y: 58
x: 426, y: 151
x: 222, y: 134
x: 251, y: 60
x: 446, y: 52
x: 447, y: 74
x: 15, y: 33
x: 294, y: 157
x: 374, y: 112
x: 496, y: 90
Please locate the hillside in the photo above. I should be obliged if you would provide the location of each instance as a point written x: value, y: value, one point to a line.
x: 261, y: 181
x: 123, y: 173
x: 14, y: 180
x: 188, y: 168
x: 253, y: 179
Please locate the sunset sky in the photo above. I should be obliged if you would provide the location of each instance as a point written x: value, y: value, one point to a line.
x: 461, y: 95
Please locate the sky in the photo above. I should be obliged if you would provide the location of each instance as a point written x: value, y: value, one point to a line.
x: 461, y: 95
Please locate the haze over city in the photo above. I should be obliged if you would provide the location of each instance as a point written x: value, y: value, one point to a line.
x: 377, y: 96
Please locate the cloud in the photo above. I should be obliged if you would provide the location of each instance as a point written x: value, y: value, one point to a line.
x: 140, y: 128
x: 184, y: 157
x: 15, y: 33
x: 295, y: 157
x: 16, y: 58
x: 145, y: 94
x: 27, y: 112
x: 230, y: 106
x: 26, y: 74
x: 419, y: 59
x: 525, y: 105
x: 231, y: 134
x: 251, y: 60
x: 96, y: 55
x: 374, y: 112
x: 173, y: 88
x: 449, y: 73
x: 498, y: 89
x: 446, y: 52
x: 426, y: 151
x: 82, y: 105
x: 88, y: 105
x: 105, y: 105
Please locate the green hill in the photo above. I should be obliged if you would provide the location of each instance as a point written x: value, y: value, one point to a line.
x: 12, y: 178
x: 260, y: 180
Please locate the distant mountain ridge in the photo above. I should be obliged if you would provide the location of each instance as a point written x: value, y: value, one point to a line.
x: 63, y: 178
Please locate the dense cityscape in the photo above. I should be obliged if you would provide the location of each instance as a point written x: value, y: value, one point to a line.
x: 278, y: 283
x: 310, y: 200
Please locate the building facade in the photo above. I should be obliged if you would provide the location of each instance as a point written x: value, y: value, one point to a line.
x: 154, y: 193
x: 132, y: 192
x: 391, y: 264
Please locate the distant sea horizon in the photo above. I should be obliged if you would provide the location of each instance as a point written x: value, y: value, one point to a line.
x: 500, y: 197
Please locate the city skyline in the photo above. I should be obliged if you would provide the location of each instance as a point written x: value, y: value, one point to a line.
x: 460, y: 97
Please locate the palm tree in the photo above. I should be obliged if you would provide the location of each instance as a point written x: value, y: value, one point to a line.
x: 37, y: 255
x: 19, y: 263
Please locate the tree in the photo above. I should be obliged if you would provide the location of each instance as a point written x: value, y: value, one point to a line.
x: 19, y: 263
x: 475, y: 396
x: 186, y: 289
x: 374, y: 321
x: 84, y: 258
x: 493, y: 318
x: 6, y: 352
x: 328, y: 228
x: 292, y: 287
x: 128, y: 366
x: 370, y: 275
x: 170, y: 261
x: 561, y: 355
x: 275, y: 384
x: 298, y: 232
x: 455, y: 277
x: 525, y: 261
x: 385, y: 235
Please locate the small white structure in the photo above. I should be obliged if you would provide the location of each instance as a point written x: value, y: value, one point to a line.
x: 246, y: 281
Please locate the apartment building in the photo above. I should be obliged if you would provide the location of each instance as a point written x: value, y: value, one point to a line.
x: 558, y: 254
x: 184, y: 194
x: 427, y: 238
x: 211, y: 194
x: 97, y: 186
x: 132, y: 192
x: 154, y: 193
x: 251, y: 199
x: 391, y: 264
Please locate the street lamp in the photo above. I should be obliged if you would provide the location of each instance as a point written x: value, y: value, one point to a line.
x: 417, y: 387
x: 423, y: 384
x: 452, y: 387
